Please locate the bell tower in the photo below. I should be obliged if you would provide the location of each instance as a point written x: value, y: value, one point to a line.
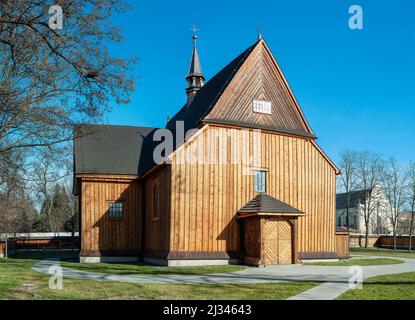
x: 194, y: 78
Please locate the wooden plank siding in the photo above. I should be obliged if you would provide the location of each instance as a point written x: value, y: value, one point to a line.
x: 157, y: 225
x: 297, y: 173
x: 104, y: 236
x: 210, y: 178
x: 342, y: 244
x: 251, y: 240
x: 260, y: 78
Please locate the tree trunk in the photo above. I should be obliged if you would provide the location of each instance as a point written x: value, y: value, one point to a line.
x: 394, y: 238
x: 347, y: 218
x: 366, y: 233
x: 348, y: 212
x: 410, y: 229
x: 6, y: 247
x: 73, y: 239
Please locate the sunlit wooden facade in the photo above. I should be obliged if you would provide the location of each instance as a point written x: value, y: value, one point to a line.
x: 200, y: 207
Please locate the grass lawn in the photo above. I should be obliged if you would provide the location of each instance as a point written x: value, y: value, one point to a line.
x: 18, y: 281
x: 382, y: 252
x: 70, y: 261
x: 390, y: 287
x: 358, y: 262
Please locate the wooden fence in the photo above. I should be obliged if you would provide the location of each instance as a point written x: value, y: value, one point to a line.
x: 39, y: 244
x: 54, y: 243
x: 402, y: 242
x: 11, y: 247
x: 342, y: 245
x: 360, y: 240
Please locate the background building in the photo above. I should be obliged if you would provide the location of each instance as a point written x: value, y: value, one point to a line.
x: 378, y: 207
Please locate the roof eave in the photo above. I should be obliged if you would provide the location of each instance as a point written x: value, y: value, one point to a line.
x: 242, y: 215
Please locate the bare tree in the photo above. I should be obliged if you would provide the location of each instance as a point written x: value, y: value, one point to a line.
x: 47, y: 174
x: 52, y: 79
x: 348, y: 178
x: 395, y: 184
x: 411, y: 197
x: 369, y: 169
x: 16, y: 211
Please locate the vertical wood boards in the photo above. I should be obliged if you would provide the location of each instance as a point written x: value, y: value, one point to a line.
x: 342, y: 244
x: 297, y: 173
x: 259, y: 78
x: 156, y: 226
x: 100, y: 234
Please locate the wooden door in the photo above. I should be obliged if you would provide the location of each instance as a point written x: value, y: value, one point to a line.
x: 251, y: 236
x: 277, y: 241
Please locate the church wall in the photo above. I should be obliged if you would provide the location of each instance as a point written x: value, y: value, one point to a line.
x: 206, y: 196
x: 100, y: 234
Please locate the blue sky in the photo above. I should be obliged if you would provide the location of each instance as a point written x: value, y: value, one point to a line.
x: 356, y: 87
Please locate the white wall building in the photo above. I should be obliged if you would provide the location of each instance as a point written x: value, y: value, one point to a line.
x: 380, y: 222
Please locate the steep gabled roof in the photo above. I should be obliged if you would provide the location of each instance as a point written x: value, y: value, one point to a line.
x: 264, y: 203
x: 287, y: 117
x: 260, y: 78
x: 356, y: 197
x: 129, y: 150
x: 207, y: 96
x: 107, y: 149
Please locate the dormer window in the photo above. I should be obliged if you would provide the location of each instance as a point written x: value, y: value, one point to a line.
x: 261, y: 106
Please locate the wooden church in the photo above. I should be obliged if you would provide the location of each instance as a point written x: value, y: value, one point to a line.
x: 276, y: 209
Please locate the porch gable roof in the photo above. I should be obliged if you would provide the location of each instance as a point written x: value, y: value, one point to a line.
x: 263, y: 203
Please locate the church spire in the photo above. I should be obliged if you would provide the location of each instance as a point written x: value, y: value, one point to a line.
x: 194, y: 78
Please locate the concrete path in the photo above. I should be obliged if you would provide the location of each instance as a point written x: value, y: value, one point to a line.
x: 335, y: 279
x: 332, y: 289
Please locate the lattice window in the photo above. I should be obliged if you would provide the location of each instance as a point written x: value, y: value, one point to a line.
x: 262, y: 106
x: 259, y: 181
x: 116, y: 210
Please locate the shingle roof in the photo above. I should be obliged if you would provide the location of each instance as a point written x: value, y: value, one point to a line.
x: 195, y: 69
x: 208, y: 95
x: 263, y: 203
x: 129, y: 150
x: 113, y: 149
x: 356, y: 197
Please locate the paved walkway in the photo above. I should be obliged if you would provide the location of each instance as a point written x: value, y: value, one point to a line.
x: 335, y: 279
x: 332, y: 289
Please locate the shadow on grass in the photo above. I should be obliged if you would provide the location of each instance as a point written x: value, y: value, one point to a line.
x: 390, y: 283
x: 66, y: 255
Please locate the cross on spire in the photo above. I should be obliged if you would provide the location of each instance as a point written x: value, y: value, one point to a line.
x: 259, y: 30
x: 194, y: 29
x: 194, y: 78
